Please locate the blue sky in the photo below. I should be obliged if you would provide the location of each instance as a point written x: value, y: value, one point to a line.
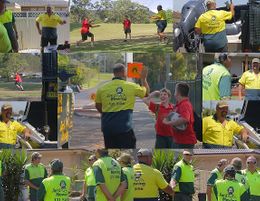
x: 177, y: 4
x: 152, y: 4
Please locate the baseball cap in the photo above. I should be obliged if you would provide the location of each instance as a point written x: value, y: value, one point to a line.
x: 56, y: 164
x: 144, y: 152
x: 256, y: 60
x: 230, y: 170
x: 237, y: 162
x: 6, y: 105
x: 210, y: 1
x: 187, y: 152
x: 221, y: 104
x: 125, y: 158
x: 251, y: 159
x: 36, y: 155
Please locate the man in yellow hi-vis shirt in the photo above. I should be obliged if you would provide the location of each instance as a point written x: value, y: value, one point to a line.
x: 250, y: 80
x: 148, y: 180
x: 115, y: 101
x: 49, y: 22
x: 9, y: 129
x: 218, y: 131
x: 212, y: 26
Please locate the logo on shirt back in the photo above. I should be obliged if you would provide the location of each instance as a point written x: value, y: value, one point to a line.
x: 62, y: 184
x: 119, y: 90
x: 230, y: 191
x: 213, y: 18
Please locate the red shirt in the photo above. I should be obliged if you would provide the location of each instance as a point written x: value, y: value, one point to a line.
x: 188, y: 136
x: 162, y: 112
x: 18, y: 78
x: 85, y: 26
x: 127, y: 24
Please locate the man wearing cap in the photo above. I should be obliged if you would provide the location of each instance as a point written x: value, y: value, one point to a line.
x: 8, y: 20
x: 229, y: 188
x: 215, y: 175
x: 237, y: 164
x: 35, y: 172
x: 250, y: 80
x: 125, y: 161
x: 4, y: 40
x: 49, y: 22
x: 57, y: 186
x: 183, y: 138
x: 148, y: 180
x: 218, y: 131
x: 183, y: 176
x: 216, y: 79
x: 211, y: 25
x: 252, y: 178
x: 115, y: 101
x: 9, y: 129
x: 110, y: 179
x: 90, y: 182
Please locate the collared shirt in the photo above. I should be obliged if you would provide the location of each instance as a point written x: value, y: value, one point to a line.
x: 250, y: 80
x: 51, y: 21
x: 161, y: 111
x: 214, y: 132
x: 185, y: 109
x: 9, y: 131
x: 161, y: 14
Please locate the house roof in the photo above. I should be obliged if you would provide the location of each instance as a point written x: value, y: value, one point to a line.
x: 40, y: 2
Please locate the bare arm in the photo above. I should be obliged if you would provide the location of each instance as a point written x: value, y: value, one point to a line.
x: 209, y: 188
x: 147, y: 99
x: 120, y: 190
x: 240, y: 89
x: 244, y: 135
x: 38, y: 28
x: 26, y: 132
x: 168, y: 190
x: 84, y: 188
x: 173, y: 183
x: 106, y: 192
x: 197, y: 30
x: 30, y: 184
x: 99, y: 107
x: 15, y: 30
x: 232, y: 9
x: 144, y: 82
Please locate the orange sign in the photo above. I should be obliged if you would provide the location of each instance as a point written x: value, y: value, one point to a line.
x: 134, y: 70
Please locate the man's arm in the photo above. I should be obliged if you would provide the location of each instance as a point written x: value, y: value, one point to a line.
x: 120, y: 190
x: 244, y: 135
x: 84, y: 188
x: 99, y: 107
x: 240, y: 90
x: 26, y: 132
x: 147, y: 99
x: 38, y: 28
x: 168, y: 190
x: 197, y: 30
x: 144, y: 82
x: 232, y: 9
x: 209, y: 188
x: 225, y: 87
x: 30, y: 184
x: 106, y: 192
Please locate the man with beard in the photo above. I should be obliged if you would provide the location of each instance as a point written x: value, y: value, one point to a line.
x: 218, y: 131
x: 9, y: 129
x: 250, y: 80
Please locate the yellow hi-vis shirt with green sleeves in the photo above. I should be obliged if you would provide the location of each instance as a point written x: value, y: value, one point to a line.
x: 213, y: 132
x: 119, y: 95
x: 211, y: 76
x: 90, y: 177
x: 184, y: 176
x: 213, y: 21
x: 147, y: 182
x: 51, y: 21
x: 161, y: 15
x: 253, y: 180
x: 229, y: 190
x: 107, y: 171
x: 9, y: 131
x: 214, y: 176
x: 57, y: 188
x: 129, y: 192
x: 250, y: 80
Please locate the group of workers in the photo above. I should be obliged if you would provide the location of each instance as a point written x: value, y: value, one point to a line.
x: 46, y: 26
x: 217, y: 79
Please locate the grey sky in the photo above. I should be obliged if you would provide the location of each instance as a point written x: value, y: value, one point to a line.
x: 177, y: 4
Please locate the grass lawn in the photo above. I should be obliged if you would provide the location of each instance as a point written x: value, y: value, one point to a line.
x: 109, y: 38
x: 8, y: 91
x: 97, y: 79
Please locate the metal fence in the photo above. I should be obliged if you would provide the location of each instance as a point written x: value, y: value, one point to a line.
x: 29, y: 37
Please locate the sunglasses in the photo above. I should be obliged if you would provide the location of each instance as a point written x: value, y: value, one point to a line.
x: 188, y: 154
x: 251, y: 162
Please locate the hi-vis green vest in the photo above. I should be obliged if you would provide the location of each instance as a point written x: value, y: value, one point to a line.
x: 187, y: 176
x: 211, y: 78
x: 57, y: 188
x: 111, y: 171
x: 90, y: 177
x: 229, y: 190
x: 241, y: 177
x: 6, y: 17
x: 253, y: 180
x: 219, y: 176
x: 129, y: 194
x: 35, y: 171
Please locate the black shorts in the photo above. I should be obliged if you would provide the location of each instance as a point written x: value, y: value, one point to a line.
x: 128, y: 30
x: 161, y: 25
x: 18, y: 83
x: 45, y: 41
x: 85, y: 36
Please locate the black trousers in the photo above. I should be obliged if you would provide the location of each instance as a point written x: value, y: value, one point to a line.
x: 182, y: 197
x: 125, y: 140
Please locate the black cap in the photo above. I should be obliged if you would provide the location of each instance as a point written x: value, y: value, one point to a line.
x: 230, y: 170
